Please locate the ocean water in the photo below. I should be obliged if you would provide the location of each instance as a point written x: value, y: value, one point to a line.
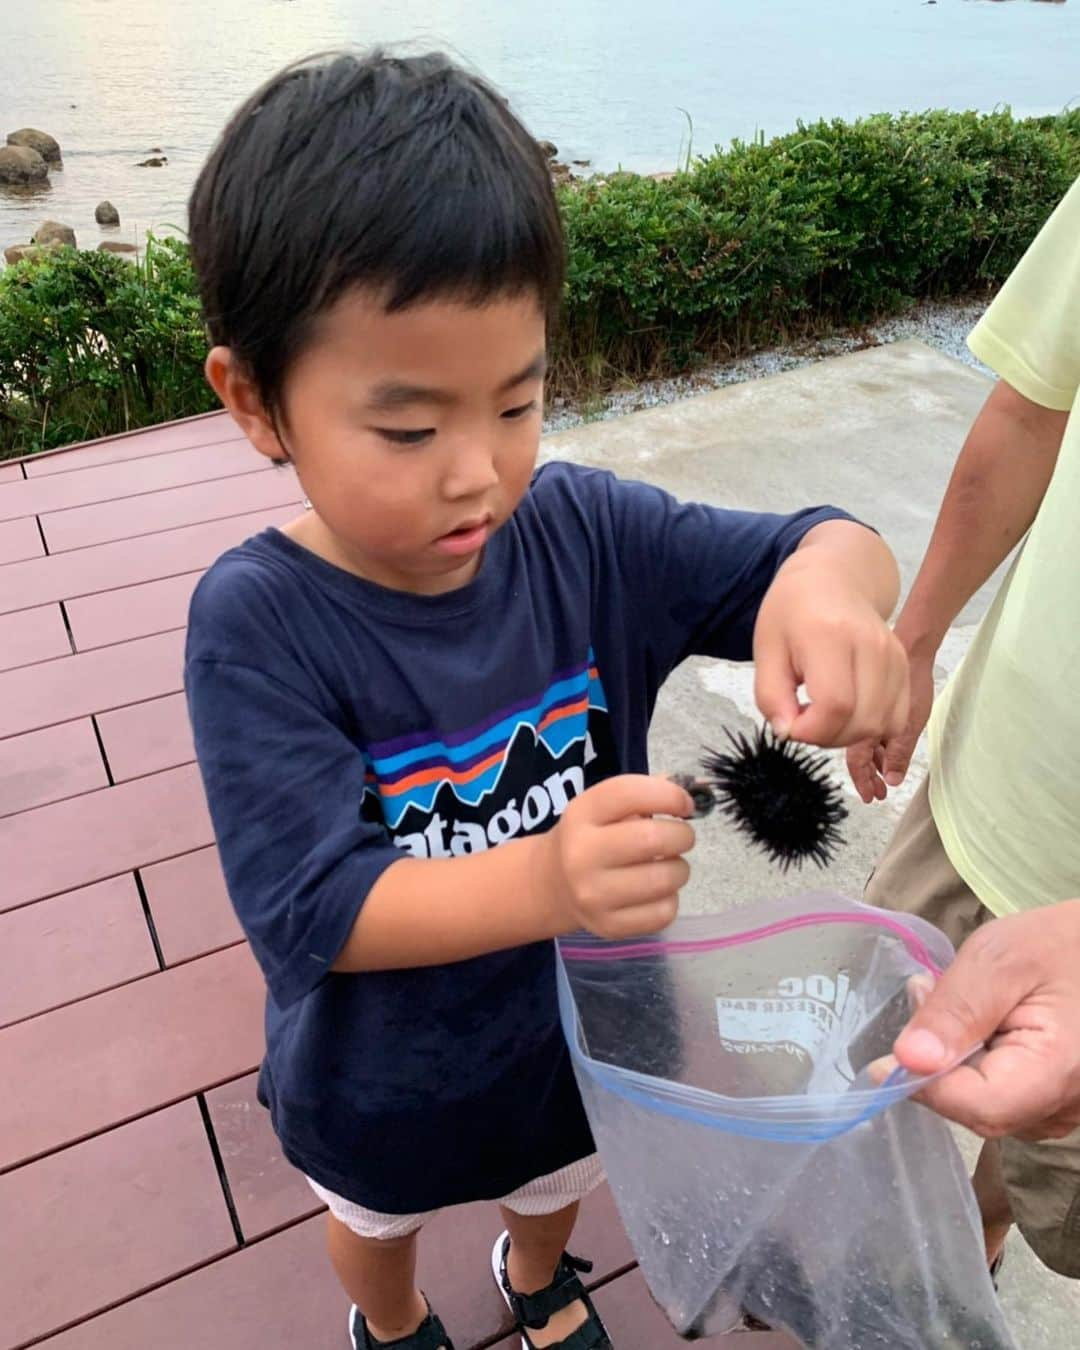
x: 615, y: 82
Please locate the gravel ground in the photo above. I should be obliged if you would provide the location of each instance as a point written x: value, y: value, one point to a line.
x: 941, y: 325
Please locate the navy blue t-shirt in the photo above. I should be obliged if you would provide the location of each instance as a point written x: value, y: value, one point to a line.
x: 340, y: 725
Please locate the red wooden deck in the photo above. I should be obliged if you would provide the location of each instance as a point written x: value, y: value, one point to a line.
x: 143, y: 1201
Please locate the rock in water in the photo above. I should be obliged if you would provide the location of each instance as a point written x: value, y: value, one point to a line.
x: 107, y: 214
x: 116, y: 246
x: 20, y: 164
x: 47, y: 146
x: 52, y: 232
x: 155, y: 162
x: 20, y: 252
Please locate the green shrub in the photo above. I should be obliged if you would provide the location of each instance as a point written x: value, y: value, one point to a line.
x: 91, y: 345
x: 836, y: 223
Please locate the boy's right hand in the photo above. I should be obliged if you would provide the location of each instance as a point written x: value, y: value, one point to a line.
x: 613, y: 864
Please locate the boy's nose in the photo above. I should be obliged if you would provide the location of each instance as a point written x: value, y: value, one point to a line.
x: 472, y: 471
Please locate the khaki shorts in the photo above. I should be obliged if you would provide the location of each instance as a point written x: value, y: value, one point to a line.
x: 916, y: 877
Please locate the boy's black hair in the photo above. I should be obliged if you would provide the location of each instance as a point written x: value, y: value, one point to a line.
x: 403, y: 174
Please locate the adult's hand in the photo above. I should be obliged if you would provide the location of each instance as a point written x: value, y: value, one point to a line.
x: 877, y: 765
x: 1014, y: 985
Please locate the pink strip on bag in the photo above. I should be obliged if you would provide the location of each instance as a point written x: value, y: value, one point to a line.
x: 629, y: 950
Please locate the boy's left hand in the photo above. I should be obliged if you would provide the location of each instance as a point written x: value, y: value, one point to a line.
x: 820, y: 626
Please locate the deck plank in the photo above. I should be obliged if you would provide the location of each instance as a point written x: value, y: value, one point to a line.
x: 170, y: 437
x: 92, y: 1065
x: 147, y: 737
x: 190, y: 905
x: 133, y: 612
x: 81, y: 487
x: 49, y: 765
x: 74, y: 945
x: 153, y: 512
x: 67, y: 844
x: 20, y: 540
x: 280, y: 1294
x: 90, y: 682
x: 268, y: 1192
x: 107, y: 1219
x: 32, y: 635
x: 126, y: 562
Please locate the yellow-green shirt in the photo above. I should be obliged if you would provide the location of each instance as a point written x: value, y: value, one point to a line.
x: 1005, y: 735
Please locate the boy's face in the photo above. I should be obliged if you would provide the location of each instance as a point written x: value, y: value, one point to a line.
x: 414, y: 434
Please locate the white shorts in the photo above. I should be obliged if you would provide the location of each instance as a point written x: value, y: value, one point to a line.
x: 546, y: 1195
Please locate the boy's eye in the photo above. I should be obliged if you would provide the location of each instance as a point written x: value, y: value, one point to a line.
x: 400, y: 437
x: 511, y: 413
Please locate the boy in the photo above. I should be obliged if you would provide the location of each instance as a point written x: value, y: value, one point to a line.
x: 421, y: 709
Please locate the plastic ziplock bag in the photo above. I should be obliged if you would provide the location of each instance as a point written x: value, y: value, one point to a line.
x: 754, y: 1164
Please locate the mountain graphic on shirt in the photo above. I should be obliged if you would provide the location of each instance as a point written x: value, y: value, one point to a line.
x: 446, y: 794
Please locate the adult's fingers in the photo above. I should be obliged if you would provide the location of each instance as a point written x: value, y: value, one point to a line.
x: 897, y: 760
x: 997, y: 1097
x: 863, y: 770
x: 976, y: 1001
x: 965, y: 1008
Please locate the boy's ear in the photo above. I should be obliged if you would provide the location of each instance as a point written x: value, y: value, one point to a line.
x: 234, y: 387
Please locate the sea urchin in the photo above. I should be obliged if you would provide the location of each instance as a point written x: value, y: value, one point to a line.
x: 780, y: 794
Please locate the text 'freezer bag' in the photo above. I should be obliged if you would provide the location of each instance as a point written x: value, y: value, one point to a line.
x: 754, y: 1164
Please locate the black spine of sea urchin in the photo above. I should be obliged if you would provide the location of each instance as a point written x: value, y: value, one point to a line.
x: 781, y: 795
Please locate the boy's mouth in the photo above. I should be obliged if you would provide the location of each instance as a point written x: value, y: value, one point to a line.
x: 468, y: 537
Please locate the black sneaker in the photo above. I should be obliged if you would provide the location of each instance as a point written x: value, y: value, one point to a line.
x: 429, y: 1335
x: 534, y: 1310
